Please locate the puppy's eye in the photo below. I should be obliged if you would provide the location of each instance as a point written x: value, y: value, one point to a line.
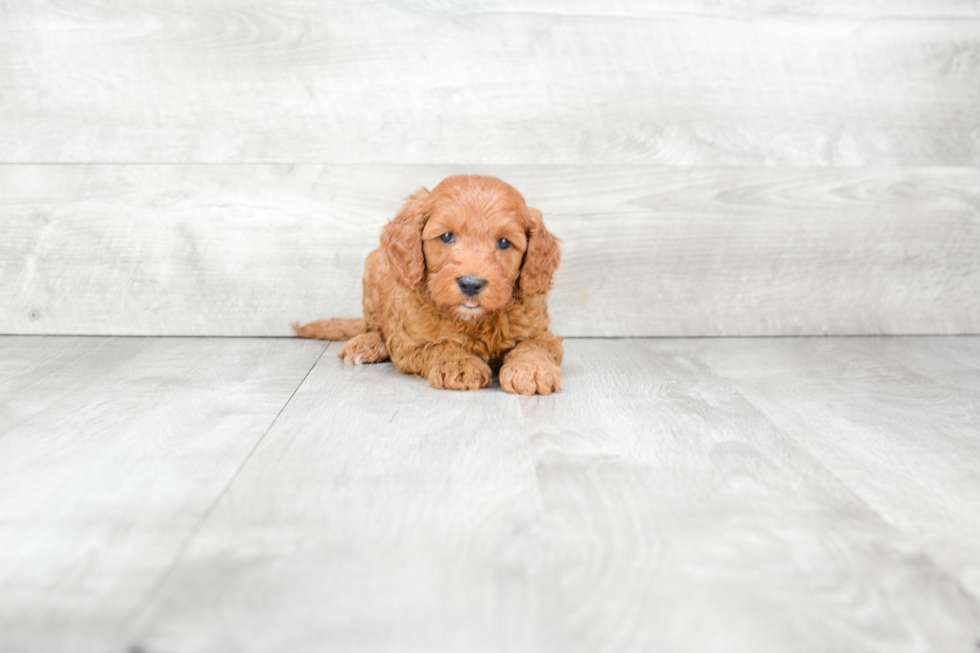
x: 447, y: 237
x: 503, y: 243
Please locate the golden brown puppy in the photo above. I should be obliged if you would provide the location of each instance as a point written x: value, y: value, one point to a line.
x: 458, y: 289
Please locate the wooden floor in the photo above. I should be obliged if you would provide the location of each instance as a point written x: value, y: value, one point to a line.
x: 218, y: 495
x: 221, y: 168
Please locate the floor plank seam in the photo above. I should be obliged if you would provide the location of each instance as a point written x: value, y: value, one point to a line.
x: 950, y: 575
x: 144, y: 604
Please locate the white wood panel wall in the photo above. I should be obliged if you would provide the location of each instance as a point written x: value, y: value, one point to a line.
x: 243, y: 250
x: 222, y: 167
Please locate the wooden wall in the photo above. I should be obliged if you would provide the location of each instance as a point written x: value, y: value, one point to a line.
x: 222, y: 167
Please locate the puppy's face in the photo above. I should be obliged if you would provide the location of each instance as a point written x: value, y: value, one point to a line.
x: 474, y: 242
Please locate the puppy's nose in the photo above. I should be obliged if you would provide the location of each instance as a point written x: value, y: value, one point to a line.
x: 471, y: 285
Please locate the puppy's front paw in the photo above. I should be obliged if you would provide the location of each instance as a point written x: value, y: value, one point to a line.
x: 365, y: 348
x: 529, y: 377
x: 469, y: 373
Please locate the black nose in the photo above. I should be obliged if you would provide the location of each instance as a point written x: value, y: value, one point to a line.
x: 471, y: 285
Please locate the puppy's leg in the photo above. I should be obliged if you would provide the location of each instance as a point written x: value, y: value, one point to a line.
x: 366, y: 348
x: 533, y: 367
x: 453, y: 368
x: 446, y: 366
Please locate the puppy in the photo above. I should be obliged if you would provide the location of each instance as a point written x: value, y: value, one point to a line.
x: 458, y: 289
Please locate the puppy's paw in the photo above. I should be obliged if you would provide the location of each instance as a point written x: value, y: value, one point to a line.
x: 469, y: 373
x: 365, y: 348
x: 530, y: 377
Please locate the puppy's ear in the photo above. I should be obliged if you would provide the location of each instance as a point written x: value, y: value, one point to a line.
x: 401, y: 240
x: 540, y: 260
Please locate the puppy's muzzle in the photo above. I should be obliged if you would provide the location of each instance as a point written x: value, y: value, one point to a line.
x: 471, y: 285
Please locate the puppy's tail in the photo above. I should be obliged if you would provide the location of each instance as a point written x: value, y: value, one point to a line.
x: 338, y: 328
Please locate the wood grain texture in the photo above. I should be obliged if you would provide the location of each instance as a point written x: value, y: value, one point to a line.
x: 732, y: 8
x: 731, y: 495
x: 111, y: 453
x: 773, y: 83
x: 648, y: 251
x: 906, y: 439
x: 378, y: 514
x: 648, y: 507
x: 683, y: 519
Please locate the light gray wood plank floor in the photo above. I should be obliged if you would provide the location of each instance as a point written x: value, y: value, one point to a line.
x: 770, y: 494
x: 112, y: 451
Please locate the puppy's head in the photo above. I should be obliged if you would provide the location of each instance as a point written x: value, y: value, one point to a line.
x: 473, y: 243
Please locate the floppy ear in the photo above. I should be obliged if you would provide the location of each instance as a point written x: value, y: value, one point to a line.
x: 401, y: 240
x: 541, y: 258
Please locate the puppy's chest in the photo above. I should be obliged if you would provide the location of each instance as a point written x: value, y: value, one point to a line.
x: 490, y: 338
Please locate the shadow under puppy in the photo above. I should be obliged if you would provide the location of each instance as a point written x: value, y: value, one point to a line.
x: 458, y: 289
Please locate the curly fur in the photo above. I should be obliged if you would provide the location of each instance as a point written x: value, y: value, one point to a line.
x: 416, y: 314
